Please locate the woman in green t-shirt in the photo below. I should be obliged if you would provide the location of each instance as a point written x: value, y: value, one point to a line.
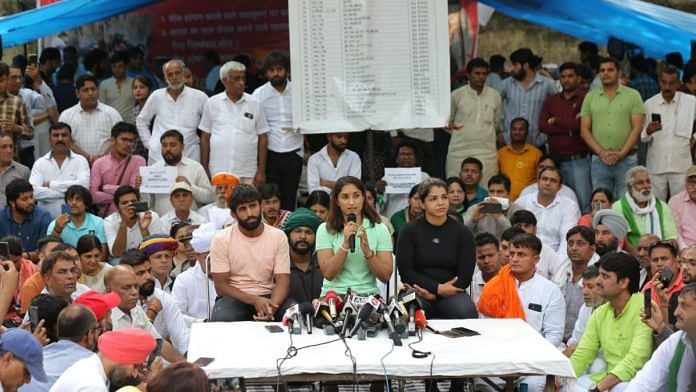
x: 372, y: 258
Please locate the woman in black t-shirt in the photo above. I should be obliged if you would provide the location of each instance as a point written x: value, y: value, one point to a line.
x: 435, y: 255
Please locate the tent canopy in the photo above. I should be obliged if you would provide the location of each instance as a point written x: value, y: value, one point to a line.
x: 658, y: 30
x: 64, y: 15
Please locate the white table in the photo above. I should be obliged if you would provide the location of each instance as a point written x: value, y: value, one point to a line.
x: 506, y: 347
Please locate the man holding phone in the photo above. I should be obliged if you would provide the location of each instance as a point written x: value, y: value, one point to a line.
x: 133, y: 221
x: 669, y: 119
x: 667, y: 279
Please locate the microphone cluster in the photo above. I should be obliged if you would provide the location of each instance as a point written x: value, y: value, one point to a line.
x: 358, y: 315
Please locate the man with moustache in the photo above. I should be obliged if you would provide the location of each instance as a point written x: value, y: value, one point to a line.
x: 173, y: 107
x: 285, y: 144
x: 488, y: 261
x: 22, y: 215
x: 187, y: 170
x: 643, y: 256
x: 669, y: 140
x: 305, y: 276
x: 55, y: 172
x: 683, y: 207
x: 250, y: 264
x: 332, y: 162
x: 673, y: 364
x: 59, y: 271
x: 159, y: 305
x: 234, y: 134
x: 644, y: 212
x: 128, y: 314
x: 610, y: 229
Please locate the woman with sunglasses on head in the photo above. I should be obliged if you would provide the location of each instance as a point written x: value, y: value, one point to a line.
x: 351, y: 216
x: 436, y: 256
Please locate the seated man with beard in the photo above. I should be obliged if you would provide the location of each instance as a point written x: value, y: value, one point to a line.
x: 250, y: 263
x: 223, y: 183
x: 644, y: 212
x: 159, y: 305
x: 305, y: 276
x: 610, y: 229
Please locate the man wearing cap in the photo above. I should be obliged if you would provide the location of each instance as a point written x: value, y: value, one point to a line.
x: 122, y: 280
x: 21, y: 359
x: 125, y: 228
x: 194, y: 291
x: 610, y: 229
x: 683, y: 207
x: 305, y: 276
x: 644, y: 212
x: 159, y: 249
x: 78, y: 331
x: 250, y: 264
x: 223, y: 183
x: 159, y: 306
x: 181, y: 199
x: 119, y: 351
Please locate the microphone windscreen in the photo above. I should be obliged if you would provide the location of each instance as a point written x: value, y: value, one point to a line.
x: 365, y: 311
x: 351, y: 217
x: 419, y: 319
x: 306, y: 308
x: 332, y: 295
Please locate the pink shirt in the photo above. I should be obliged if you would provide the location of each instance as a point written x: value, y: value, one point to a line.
x: 684, y: 211
x: 106, y: 172
x: 252, y: 261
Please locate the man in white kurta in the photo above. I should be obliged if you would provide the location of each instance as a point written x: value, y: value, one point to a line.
x: 669, y: 149
x: 174, y: 107
x: 475, y: 123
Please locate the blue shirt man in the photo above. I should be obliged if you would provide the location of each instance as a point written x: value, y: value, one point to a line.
x: 21, y: 216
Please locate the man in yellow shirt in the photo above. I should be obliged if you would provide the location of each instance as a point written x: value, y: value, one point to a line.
x: 518, y: 160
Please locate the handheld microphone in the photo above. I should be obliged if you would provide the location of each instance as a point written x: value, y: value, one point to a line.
x: 332, y: 299
x: 351, y: 239
x: 367, y: 309
x: 306, y: 310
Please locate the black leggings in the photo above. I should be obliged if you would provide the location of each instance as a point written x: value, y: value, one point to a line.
x: 458, y: 306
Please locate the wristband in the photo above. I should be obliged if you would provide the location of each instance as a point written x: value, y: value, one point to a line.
x: 153, y: 310
x: 343, y: 249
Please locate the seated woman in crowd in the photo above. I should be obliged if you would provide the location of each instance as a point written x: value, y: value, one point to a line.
x: 411, y: 212
x: 372, y: 257
x: 436, y: 256
x: 601, y: 199
x: 89, y: 252
x: 319, y: 202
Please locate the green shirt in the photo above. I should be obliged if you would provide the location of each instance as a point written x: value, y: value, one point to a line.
x: 611, y: 117
x: 625, y: 341
x: 355, y: 274
x: 398, y: 220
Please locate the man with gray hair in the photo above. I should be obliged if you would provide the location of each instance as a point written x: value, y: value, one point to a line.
x: 174, y: 107
x: 610, y: 228
x: 644, y: 212
x: 234, y: 130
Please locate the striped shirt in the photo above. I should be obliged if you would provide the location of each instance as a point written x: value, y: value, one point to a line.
x: 12, y: 107
x: 91, y: 131
x: 518, y: 102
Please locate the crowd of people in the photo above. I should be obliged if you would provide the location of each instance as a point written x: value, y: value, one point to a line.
x: 561, y: 197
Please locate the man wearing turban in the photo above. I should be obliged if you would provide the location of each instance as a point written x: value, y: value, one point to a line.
x: 305, y: 276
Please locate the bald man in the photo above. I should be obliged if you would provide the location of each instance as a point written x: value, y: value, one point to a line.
x: 121, y: 280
